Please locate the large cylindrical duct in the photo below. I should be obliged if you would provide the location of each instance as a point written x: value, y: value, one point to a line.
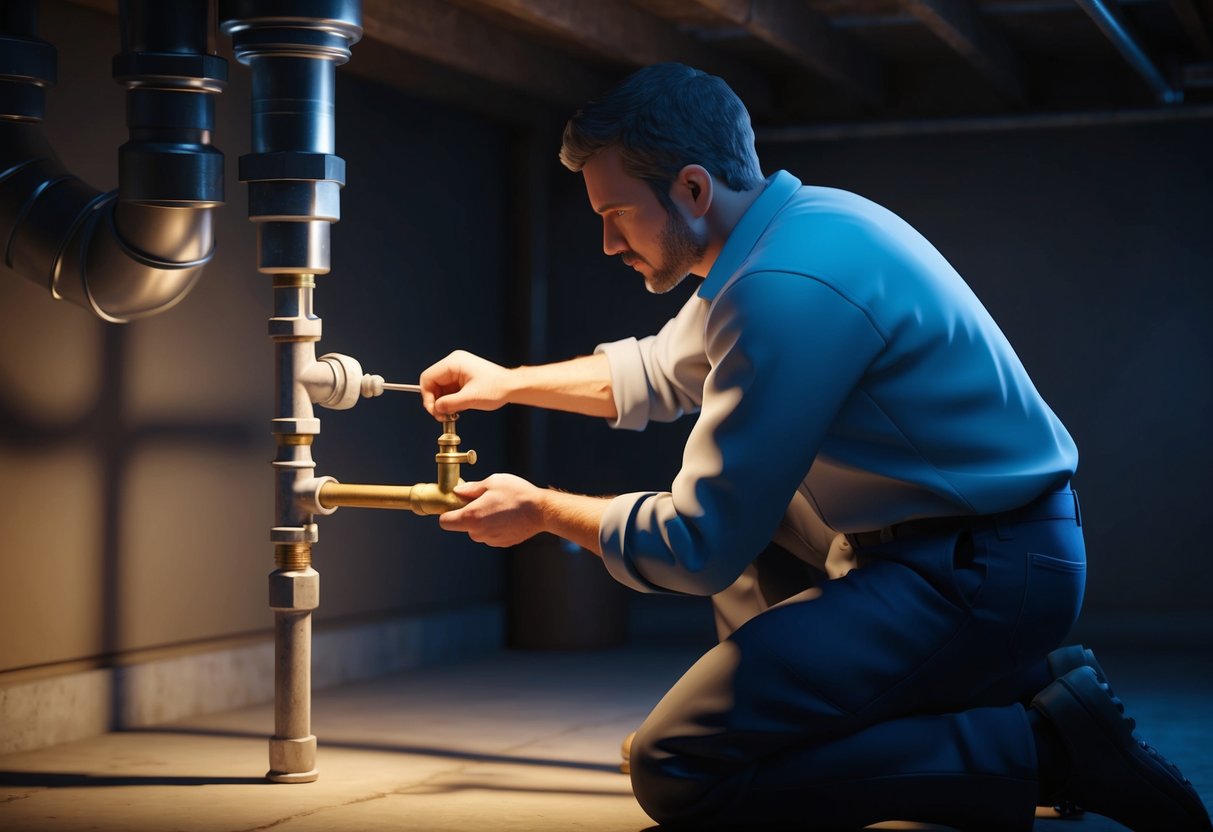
x: 292, y: 48
x: 133, y: 252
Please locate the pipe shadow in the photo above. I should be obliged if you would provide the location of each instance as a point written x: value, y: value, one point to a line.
x: 63, y: 779
x: 385, y: 748
x: 478, y: 785
x: 115, y: 439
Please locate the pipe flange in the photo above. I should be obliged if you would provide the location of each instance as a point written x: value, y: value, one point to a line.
x: 207, y: 73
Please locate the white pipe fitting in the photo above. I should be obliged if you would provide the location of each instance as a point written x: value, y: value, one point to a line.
x: 307, y: 495
x: 336, y: 381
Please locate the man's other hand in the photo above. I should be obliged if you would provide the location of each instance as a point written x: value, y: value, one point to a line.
x: 463, y: 381
x: 502, y: 510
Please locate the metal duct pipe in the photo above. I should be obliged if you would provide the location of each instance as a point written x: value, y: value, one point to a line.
x: 292, y: 48
x: 133, y: 252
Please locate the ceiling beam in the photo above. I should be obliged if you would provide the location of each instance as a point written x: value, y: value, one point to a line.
x: 454, y: 39
x: 957, y: 23
x: 624, y: 34
x: 450, y: 36
x: 807, y: 38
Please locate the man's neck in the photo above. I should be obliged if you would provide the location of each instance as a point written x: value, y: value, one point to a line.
x: 728, y: 207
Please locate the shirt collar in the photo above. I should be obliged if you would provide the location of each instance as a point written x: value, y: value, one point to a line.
x: 779, y: 189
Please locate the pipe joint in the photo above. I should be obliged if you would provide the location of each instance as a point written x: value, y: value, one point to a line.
x: 317, y: 29
x: 290, y: 247
x: 307, y: 533
x: 287, y: 425
x: 336, y: 381
x: 291, y: 164
x: 296, y: 589
x: 171, y: 70
x: 297, y: 199
x: 295, y: 329
x: 27, y: 67
x: 307, y: 495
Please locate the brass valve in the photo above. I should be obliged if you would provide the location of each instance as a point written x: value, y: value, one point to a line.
x: 422, y: 498
x: 449, y: 457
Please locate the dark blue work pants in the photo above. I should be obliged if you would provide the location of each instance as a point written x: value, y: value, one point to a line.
x: 891, y: 693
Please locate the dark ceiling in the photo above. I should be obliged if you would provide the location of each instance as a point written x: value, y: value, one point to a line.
x: 799, y: 63
x: 809, y: 65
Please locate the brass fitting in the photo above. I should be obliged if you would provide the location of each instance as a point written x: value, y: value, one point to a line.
x: 292, y: 557
x: 449, y: 456
x: 422, y: 498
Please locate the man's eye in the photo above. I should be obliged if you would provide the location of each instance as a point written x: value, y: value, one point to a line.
x: 620, y: 212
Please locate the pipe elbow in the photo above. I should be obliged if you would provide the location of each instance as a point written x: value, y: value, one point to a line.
x: 125, y: 276
x: 140, y: 250
x: 429, y: 498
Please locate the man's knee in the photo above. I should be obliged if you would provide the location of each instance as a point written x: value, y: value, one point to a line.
x: 676, y: 786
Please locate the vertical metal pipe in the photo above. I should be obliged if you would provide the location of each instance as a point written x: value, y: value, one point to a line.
x: 294, y: 181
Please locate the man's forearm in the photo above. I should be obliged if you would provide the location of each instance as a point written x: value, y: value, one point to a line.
x: 574, y: 517
x: 580, y: 385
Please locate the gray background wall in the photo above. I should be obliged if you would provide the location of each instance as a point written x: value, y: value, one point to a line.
x: 1090, y: 246
x: 136, y: 487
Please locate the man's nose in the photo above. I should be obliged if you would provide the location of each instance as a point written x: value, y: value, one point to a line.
x: 612, y: 241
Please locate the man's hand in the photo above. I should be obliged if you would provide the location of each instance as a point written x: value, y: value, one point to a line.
x: 503, y: 510
x: 463, y: 381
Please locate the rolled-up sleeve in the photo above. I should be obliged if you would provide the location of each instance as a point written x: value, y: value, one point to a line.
x: 782, y: 352
x: 659, y: 378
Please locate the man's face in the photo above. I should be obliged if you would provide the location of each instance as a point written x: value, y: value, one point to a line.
x: 635, y: 225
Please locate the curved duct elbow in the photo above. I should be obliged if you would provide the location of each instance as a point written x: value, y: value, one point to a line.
x: 137, y: 251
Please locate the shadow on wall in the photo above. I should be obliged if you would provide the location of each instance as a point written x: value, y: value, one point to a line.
x: 105, y: 429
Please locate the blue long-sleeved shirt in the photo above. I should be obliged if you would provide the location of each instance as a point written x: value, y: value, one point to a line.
x: 846, y: 379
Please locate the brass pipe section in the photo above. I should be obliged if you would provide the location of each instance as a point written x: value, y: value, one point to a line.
x: 422, y: 498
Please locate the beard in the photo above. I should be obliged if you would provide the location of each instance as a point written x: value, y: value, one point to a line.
x: 681, y: 249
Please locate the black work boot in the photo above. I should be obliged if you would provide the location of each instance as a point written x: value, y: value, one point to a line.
x: 1111, y: 772
x: 1064, y: 659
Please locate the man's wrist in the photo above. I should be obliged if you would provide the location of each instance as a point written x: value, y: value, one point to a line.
x: 574, y: 517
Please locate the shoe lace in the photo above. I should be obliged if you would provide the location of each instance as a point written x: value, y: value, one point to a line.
x: 1145, y: 746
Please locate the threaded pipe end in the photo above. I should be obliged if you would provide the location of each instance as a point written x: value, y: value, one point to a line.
x: 294, y: 281
x: 291, y: 557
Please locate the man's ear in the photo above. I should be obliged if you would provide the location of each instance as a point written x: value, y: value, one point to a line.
x: 693, y: 190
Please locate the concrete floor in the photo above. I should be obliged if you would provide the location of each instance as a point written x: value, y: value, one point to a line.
x: 517, y: 741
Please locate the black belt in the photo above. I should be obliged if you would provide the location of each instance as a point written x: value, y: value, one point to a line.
x: 1056, y: 505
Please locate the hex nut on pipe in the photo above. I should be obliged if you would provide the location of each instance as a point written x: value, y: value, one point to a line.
x: 298, y: 591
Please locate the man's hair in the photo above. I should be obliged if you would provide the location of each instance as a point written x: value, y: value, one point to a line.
x: 663, y: 118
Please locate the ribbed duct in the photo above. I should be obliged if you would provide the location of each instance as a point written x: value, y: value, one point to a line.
x: 136, y: 251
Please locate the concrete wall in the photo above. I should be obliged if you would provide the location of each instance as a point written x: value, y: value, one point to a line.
x: 136, y: 491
